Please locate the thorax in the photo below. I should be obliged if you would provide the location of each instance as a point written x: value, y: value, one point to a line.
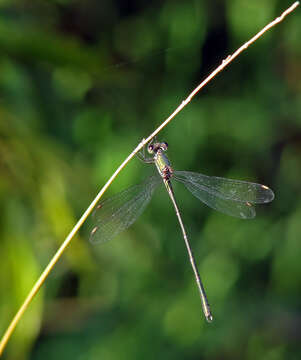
x: 163, y: 165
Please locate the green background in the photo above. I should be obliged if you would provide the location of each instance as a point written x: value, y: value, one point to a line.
x: 81, y: 83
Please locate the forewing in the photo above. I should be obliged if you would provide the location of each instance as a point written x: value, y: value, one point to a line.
x: 236, y: 190
x: 232, y: 197
x: 117, y: 213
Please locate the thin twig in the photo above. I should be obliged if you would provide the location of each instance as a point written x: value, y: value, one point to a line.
x: 68, y: 239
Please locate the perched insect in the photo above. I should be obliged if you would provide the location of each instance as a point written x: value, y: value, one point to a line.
x: 232, y: 197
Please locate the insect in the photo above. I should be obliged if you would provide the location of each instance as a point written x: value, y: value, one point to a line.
x: 232, y: 197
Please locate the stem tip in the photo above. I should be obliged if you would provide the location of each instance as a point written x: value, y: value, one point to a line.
x: 209, y: 318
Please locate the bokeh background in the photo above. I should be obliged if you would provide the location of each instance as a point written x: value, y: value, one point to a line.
x: 81, y: 83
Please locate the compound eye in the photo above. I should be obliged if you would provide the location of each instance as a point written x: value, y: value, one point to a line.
x: 164, y: 146
x: 150, y: 149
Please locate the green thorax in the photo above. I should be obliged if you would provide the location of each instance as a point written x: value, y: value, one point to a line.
x: 163, y: 164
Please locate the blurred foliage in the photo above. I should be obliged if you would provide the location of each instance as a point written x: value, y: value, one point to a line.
x: 81, y: 82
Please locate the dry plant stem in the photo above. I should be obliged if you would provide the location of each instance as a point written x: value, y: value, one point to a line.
x: 73, y: 232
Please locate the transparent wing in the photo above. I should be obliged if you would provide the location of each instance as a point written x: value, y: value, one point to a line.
x: 232, y: 197
x: 117, y: 213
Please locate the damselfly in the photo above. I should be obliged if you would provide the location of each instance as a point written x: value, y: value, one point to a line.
x: 232, y: 197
